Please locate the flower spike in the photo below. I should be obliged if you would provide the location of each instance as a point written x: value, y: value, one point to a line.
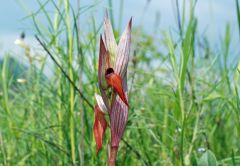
x: 112, y: 81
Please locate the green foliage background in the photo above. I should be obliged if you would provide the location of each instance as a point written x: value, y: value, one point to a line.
x: 184, y: 96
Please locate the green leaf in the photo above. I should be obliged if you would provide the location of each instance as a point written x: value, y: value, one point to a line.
x: 208, y: 159
x: 213, y: 96
x: 233, y: 159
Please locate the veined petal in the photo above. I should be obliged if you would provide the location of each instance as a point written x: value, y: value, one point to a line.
x: 116, y: 82
x: 118, y: 117
x: 103, y: 64
x: 101, y: 104
x: 110, y: 41
x: 105, y: 99
x: 123, y: 51
x: 99, y: 127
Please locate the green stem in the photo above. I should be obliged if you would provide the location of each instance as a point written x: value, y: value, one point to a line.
x: 4, y: 81
x: 71, y: 92
x: 59, y: 76
x: 80, y: 87
x: 183, y: 124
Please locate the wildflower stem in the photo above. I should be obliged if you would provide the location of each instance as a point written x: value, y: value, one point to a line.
x: 71, y: 90
x: 77, y: 28
x: 238, y: 15
x: 113, y: 156
x: 59, y: 76
x: 195, y: 132
x: 182, y: 121
x: 179, y: 18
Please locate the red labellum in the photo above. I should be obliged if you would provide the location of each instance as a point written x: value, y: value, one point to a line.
x: 99, y: 127
x: 115, y: 81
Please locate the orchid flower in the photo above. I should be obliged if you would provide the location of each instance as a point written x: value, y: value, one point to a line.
x: 112, y: 80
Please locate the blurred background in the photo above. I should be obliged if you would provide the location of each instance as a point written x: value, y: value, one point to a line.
x: 183, y: 82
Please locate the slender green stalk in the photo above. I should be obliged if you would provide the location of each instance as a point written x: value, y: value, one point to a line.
x: 179, y: 18
x: 5, y: 102
x: 180, y: 84
x: 5, y: 87
x: 182, y: 108
x: 59, y: 75
x: 194, y: 137
x: 238, y: 14
x: 70, y: 73
x: 78, y: 35
x: 226, y: 46
x: 3, y: 150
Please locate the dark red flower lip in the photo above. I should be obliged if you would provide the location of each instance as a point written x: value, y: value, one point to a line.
x: 115, y: 81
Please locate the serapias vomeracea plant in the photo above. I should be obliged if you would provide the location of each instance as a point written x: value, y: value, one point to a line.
x: 112, y: 81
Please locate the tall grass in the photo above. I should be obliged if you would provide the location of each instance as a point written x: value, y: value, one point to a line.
x: 184, y: 95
